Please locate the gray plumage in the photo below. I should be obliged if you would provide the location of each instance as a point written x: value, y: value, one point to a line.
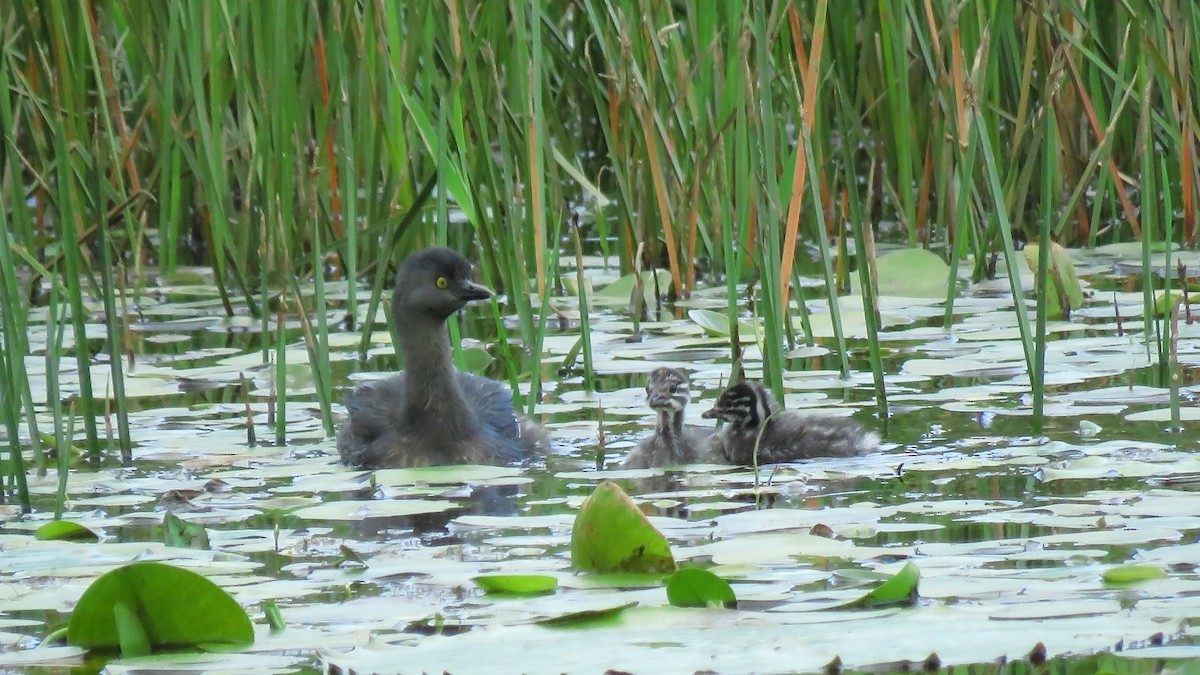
x: 788, y: 435
x: 431, y: 413
x: 671, y: 444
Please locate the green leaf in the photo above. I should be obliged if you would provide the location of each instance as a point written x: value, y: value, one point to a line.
x: 611, y: 534
x: 64, y: 530
x: 517, y: 584
x: 274, y: 616
x: 179, y: 532
x: 912, y: 273
x: 620, y: 291
x: 130, y: 632
x: 1127, y: 574
x: 1165, y: 301
x: 588, y: 617
x: 901, y: 589
x: 1064, y: 286
x: 176, y: 608
x: 351, y: 556
x: 717, y: 324
x: 476, y: 359
x: 695, y: 587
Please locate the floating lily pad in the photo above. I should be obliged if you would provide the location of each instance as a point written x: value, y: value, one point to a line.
x: 912, y: 273
x: 150, y: 606
x: 695, y: 587
x: 373, y: 508
x: 517, y: 584
x: 451, y: 474
x: 588, y: 617
x: 611, y: 534
x: 620, y: 291
x: 1127, y: 574
x: 64, y: 530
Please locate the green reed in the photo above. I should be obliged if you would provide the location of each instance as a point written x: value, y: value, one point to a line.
x: 114, y: 322
x: 14, y: 381
x: 864, y: 253
x: 1169, y: 354
x: 1037, y: 374
x: 61, y: 442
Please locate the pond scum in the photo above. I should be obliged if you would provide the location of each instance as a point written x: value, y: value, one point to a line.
x: 968, y: 225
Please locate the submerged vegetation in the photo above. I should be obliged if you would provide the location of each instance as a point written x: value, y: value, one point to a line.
x: 202, y: 202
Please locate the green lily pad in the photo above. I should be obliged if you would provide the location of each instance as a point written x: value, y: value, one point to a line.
x: 901, y: 589
x: 64, y: 530
x: 717, y: 324
x: 274, y: 616
x: 1064, y: 294
x: 174, y: 608
x: 620, y: 291
x: 1165, y: 302
x: 179, y: 532
x: 912, y: 273
x: 517, y: 584
x: 611, y: 534
x: 476, y: 359
x: 588, y: 617
x: 695, y: 587
x: 1127, y: 574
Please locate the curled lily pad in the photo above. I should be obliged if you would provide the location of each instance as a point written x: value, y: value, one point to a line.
x: 717, y: 324
x: 1063, y: 294
x: 901, y: 589
x: 611, y: 534
x: 159, y: 606
x: 179, y: 532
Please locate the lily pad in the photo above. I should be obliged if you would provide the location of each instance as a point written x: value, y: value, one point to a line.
x: 476, y: 359
x: 1165, y: 302
x: 620, y: 292
x: 717, y: 324
x: 695, y: 587
x: 451, y: 474
x: 373, y: 508
x: 64, y: 530
x: 611, y: 534
x: 517, y: 584
x: 158, y: 607
x: 1064, y: 294
x: 179, y: 532
x: 587, y: 617
x: 912, y: 273
x: 1127, y: 574
x: 901, y: 589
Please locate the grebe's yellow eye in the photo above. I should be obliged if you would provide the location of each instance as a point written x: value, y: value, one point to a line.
x: 442, y: 282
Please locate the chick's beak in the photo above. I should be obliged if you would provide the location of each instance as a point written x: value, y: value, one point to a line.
x: 473, y: 291
x: 710, y: 414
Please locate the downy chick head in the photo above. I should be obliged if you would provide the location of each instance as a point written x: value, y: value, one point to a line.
x: 667, y: 390
x: 742, y: 406
x: 434, y: 283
